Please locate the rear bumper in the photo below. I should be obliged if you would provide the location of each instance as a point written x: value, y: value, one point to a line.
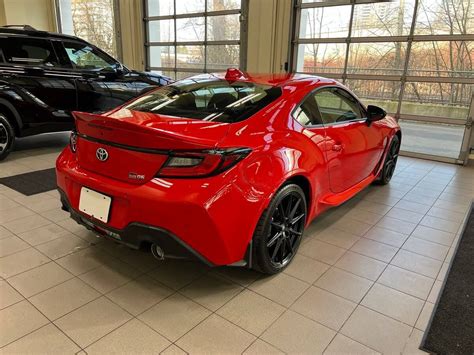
x: 135, y: 235
x: 212, y: 219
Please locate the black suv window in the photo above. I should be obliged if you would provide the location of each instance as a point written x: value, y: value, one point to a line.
x: 83, y: 56
x: 28, y: 51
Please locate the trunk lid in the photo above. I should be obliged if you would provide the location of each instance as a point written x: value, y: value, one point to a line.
x: 132, y: 146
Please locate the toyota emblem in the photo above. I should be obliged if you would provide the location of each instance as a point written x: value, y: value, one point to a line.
x: 102, y: 154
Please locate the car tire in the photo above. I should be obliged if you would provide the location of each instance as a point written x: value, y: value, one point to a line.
x: 279, y: 231
x: 7, y: 136
x: 390, y: 162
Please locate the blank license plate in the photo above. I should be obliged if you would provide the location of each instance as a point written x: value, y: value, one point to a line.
x: 95, y: 204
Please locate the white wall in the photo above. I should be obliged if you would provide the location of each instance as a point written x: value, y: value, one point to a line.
x: 3, y: 17
x: 133, y: 38
x: 268, y: 35
x: 37, y: 13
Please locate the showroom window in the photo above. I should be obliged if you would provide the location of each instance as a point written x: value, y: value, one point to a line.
x: 91, y: 20
x: 186, y: 37
x: 414, y: 58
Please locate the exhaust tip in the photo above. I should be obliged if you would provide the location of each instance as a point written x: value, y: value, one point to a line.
x: 157, y: 252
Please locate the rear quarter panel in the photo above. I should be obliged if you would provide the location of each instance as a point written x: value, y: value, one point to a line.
x: 281, y: 150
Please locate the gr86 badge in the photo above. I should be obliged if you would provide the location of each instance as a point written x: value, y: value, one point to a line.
x: 135, y: 176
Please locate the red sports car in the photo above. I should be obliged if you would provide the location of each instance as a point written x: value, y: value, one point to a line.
x: 226, y: 168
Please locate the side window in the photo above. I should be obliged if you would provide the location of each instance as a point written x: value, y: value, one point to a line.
x: 28, y: 51
x: 302, y: 116
x: 307, y: 113
x: 83, y: 56
x: 335, y: 105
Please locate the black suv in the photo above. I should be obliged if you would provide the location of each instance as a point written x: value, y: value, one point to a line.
x: 44, y: 76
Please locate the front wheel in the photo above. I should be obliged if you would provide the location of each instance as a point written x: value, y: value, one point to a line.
x: 7, y: 137
x: 280, y: 230
x: 390, y: 162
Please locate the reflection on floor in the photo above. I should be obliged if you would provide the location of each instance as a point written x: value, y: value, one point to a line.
x: 365, y: 280
x: 34, y: 153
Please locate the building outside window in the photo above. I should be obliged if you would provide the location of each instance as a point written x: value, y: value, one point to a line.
x: 91, y: 20
x: 187, y: 37
x: 412, y: 57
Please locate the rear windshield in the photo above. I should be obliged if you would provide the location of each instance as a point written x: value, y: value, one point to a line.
x: 210, y: 100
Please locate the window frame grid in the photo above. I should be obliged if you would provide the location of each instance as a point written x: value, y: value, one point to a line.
x: 409, y: 39
x: 241, y: 42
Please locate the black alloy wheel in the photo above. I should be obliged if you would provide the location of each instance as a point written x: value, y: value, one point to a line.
x: 280, y: 230
x: 287, y: 225
x: 390, y: 161
x: 4, y: 138
x: 7, y: 137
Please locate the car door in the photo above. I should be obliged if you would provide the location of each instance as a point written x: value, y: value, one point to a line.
x: 353, y: 147
x: 102, y: 84
x: 32, y: 65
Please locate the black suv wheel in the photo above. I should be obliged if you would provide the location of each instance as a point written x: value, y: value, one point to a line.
x: 279, y: 230
x: 7, y: 136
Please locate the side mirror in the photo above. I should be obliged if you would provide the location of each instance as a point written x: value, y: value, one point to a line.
x: 121, y: 70
x: 375, y: 113
x: 112, y: 73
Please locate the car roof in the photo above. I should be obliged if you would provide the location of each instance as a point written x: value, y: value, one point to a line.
x: 29, y: 31
x: 278, y: 80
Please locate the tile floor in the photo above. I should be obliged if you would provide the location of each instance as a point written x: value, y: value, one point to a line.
x: 365, y: 280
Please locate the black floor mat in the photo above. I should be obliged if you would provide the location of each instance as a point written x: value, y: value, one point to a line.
x: 451, y: 329
x: 32, y: 183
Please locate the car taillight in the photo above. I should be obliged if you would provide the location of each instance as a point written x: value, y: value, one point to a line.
x: 73, y: 141
x: 201, y: 164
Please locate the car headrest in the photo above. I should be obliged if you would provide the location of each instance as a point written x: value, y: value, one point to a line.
x: 221, y: 100
x: 186, y: 101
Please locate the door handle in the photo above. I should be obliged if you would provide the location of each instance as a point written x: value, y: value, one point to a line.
x: 337, y: 147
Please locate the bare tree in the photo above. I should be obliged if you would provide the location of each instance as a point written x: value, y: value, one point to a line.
x: 445, y: 58
x: 93, y: 20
